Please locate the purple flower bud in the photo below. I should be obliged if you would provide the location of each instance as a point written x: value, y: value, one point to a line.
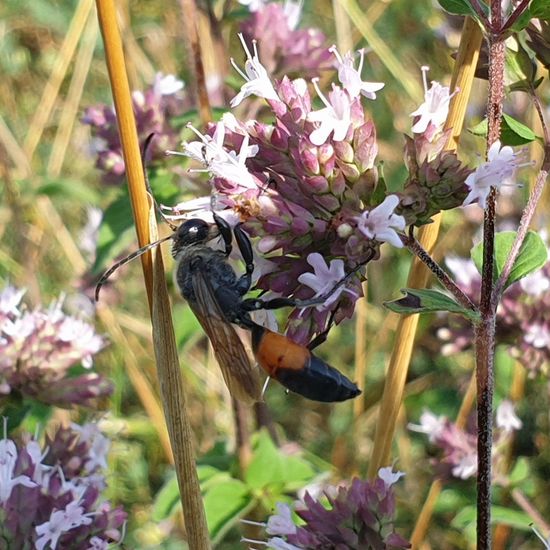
x: 360, y: 515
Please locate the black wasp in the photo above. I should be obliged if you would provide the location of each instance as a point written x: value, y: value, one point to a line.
x: 216, y: 296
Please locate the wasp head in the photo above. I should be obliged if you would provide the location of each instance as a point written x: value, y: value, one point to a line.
x: 193, y: 232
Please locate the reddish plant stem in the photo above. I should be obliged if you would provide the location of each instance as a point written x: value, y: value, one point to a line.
x: 485, y: 330
x: 480, y: 13
x: 514, y: 16
x: 416, y: 248
x: 524, y: 223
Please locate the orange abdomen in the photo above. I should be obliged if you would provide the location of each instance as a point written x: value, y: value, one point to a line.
x: 274, y: 352
x: 298, y: 370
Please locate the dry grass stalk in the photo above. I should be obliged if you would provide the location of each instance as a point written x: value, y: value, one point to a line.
x: 59, y: 70
x: 163, y: 332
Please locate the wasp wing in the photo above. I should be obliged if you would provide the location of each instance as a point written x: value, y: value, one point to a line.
x: 241, y: 378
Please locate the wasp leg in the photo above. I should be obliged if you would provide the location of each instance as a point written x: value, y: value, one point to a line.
x: 322, y: 336
x: 245, y: 247
x: 225, y: 232
x: 253, y: 304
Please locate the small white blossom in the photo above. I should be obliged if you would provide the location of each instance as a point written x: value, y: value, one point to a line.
x: 82, y: 338
x: 60, y: 522
x: 435, y: 108
x: 281, y: 523
x: 335, y: 117
x: 467, y: 467
x: 499, y: 170
x: 9, y: 300
x: 538, y: 335
x: 324, y: 279
x: 381, y: 223
x: 535, y: 283
x: 253, y: 5
x: 464, y: 270
x: 280, y: 544
x: 8, y: 458
x: 430, y: 424
x: 218, y: 160
x: 507, y: 419
x: 388, y: 476
x: 202, y: 208
x: 98, y: 544
x: 37, y: 456
x: 166, y: 84
x: 350, y: 78
x: 257, y: 80
x: 293, y: 12
x: 99, y: 444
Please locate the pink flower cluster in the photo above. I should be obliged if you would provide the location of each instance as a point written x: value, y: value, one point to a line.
x: 50, y: 496
x: 300, y: 185
x: 360, y: 515
x: 39, y: 348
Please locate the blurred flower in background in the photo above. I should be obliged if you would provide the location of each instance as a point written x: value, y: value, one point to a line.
x: 39, y: 350
x: 523, y: 316
x: 459, y: 446
x: 154, y: 109
x: 285, y: 49
x: 50, y: 494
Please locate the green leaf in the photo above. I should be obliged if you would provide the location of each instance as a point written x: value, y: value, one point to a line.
x: 166, y: 500
x: 520, y: 69
x: 532, y: 255
x: 68, y: 188
x: 298, y: 472
x: 520, y: 473
x: 458, y: 7
x: 224, y: 503
x: 540, y: 9
x: 499, y: 514
x: 266, y: 466
x: 116, y: 232
x: 381, y: 189
x: 512, y: 132
x: 186, y: 325
x: 516, y: 131
x: 523, y: 20
x: 426, y: 301
x: 164, y: 189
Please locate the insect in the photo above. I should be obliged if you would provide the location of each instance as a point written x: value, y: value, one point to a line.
x: 216, y: 296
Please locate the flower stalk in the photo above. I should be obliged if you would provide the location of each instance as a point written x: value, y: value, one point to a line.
x: 163, y: 332
x: 485, y: 331
x: 417, y: 249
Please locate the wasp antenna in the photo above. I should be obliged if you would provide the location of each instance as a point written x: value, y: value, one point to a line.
x: 146, y: 145
x: 125, y: 260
